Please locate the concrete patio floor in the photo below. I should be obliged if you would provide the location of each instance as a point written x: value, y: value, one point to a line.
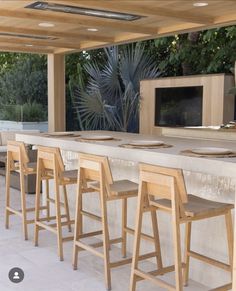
x: 43, y: 270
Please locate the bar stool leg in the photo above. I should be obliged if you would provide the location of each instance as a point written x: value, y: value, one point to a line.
x: 47, y: 199
x: 7, y: 213
x: 124, y: 226
x: 23, y: 205
x: 137, y: 239
x: 230, y: 239
x: 78, y: 222
x: 156, y: 239
x: 37, y: 207
x: 66, y: 204
x: 58, y: 221
x: 177, y: 245
x: 188, y: 229
x: 106, y: 243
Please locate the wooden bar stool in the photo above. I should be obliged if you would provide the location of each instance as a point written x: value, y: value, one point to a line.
x: 50, y: 166
x: 164, y: 189
x: 18, y: 161
x: 97, y: 169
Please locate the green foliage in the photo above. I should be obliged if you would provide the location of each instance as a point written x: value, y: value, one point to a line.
x: 204, y: 52
x: 76, y: 75
x: 33, y: 112
x: 25, y: 81
x: 11, y: 112
x: 110, y: 97
x: 8, y: 60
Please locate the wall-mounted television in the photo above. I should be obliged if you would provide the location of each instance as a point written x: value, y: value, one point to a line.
x: 178, y: 106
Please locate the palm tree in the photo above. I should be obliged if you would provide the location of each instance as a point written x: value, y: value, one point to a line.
x: 110, y: 97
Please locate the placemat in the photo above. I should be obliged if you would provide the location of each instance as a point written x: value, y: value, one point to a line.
x: 58, y: 136
x: 191, y: 154
x: 97, y: 140
x: 130, y: 146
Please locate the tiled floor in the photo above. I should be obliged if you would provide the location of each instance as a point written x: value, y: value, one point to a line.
x: 43, y: 270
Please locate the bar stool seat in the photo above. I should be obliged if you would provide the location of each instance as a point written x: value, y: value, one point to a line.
x: 119, y: 188
x: 197, y: 206
x: 32, y: 166
x: 66, y: 177
x: 29, y: 167
x: 70, y: 176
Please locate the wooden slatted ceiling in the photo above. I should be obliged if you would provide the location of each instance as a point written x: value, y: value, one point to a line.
x: 70, y: 31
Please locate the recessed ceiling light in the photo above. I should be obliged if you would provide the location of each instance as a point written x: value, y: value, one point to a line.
x: 56, y: 7
x: 28, y: 45
x: 200, y: 4
x: 92, y: 29
x: 46, y: 24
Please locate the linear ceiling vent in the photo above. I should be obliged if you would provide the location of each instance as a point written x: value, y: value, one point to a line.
x: 82, y: 11
x: 27, y: 36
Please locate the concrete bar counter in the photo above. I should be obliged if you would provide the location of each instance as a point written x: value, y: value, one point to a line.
x: 211, y: 178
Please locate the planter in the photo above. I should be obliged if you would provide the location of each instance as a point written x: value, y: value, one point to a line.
x: 14, y: 125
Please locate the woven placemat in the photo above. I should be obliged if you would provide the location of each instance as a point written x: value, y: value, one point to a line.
x: 58, y: 136
x: 81, y: 139
x: 189, y: 153
x: 130, y: 146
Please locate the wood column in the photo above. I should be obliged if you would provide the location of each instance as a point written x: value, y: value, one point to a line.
x: 234, y: 259
x: 56, y: 93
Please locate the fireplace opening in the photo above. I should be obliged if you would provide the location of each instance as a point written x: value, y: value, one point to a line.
x: 178, y: 106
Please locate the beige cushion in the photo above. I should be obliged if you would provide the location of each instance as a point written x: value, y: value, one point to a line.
x: 0, y: 139
x: 7, y: 135
x: 67, y: 176
x: 198, y: 206
x: 119, y: 187
x: 70, y: 174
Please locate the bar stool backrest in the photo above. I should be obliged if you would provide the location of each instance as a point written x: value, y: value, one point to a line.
x: 95, y: 168
x: 17, y: 156
x: 164, y: 183
x: 50, y: 159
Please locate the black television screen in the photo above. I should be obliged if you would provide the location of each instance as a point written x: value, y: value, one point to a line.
x: 178, y: 106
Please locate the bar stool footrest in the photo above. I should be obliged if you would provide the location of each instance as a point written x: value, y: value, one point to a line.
x: 210, y: 261
x: 89, y: 248
x: 223, y: 288
x: 143, y: 235
x: 111, y: 242
x: 161, y: 271
x: 68, y: 238
x: 152, y: 278
x: 91, y: 215
x: 19, y: 211
x: 89, y: 234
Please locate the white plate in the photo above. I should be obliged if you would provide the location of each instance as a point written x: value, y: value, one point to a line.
x: 211, y: 151
x: 97, y: 137
x: 146, y: 142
